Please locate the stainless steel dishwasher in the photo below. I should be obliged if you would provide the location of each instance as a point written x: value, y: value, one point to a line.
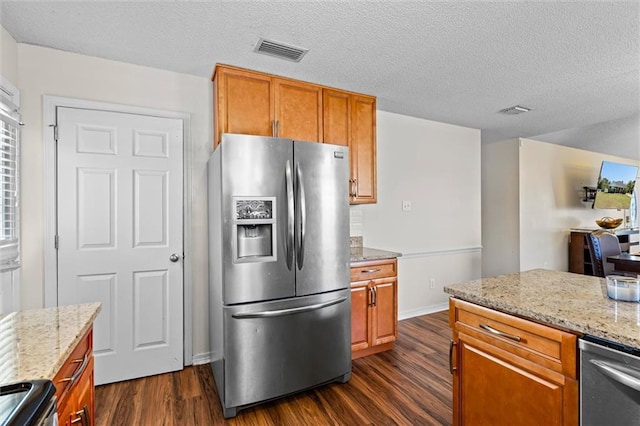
x: 609, y: 383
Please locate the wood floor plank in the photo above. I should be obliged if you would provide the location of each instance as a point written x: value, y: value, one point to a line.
x: 408, y: 385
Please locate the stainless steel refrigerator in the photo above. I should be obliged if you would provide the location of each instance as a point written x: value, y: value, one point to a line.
x: 280, y: 306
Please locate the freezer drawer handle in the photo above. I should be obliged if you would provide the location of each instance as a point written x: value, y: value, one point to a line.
x: 290, y: 311
x: 500, y: 333
x: 621, y: 374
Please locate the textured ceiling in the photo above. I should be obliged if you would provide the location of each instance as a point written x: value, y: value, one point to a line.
x: 576, y: 64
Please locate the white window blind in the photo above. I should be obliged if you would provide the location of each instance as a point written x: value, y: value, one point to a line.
x: 9, y: 184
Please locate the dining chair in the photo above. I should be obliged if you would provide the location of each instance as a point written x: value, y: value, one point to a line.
x: 602, y: 244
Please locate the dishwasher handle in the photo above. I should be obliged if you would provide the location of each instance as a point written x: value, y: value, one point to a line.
x: 618, y: 372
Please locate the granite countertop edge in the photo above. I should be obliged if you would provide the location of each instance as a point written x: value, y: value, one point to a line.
x: 363, y: 254
x: 43, y: 339
x: 589, y: 311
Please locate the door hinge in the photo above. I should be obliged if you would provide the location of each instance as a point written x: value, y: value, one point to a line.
x: 55, y: 131
x: 56, y: 242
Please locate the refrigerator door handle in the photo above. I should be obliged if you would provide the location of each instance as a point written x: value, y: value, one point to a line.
x: 290, y: 218
x: 302, y: 211
x: 289, y: 311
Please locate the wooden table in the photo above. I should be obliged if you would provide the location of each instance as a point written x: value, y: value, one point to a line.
x: 626, y: 262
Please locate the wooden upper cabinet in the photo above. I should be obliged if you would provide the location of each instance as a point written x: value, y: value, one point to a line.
x: 350, y: 120
x: 243, y: 103
x: 337, y: 117
x: 254, y: 103
x: 298, y: 110
x: 362, y: 149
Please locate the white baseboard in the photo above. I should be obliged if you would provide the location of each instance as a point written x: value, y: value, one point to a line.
x: 423, y: 311
x: 203, y: 358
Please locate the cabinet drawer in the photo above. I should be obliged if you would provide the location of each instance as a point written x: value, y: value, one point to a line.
x: 362, y: 271
x: 79, y: 359
x: 553, y: 348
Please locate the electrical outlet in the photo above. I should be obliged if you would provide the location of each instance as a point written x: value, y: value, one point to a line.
x: 406, y: 206
x: 432, y: 283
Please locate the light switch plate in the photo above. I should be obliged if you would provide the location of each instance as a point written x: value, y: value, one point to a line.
x: 406, y: 206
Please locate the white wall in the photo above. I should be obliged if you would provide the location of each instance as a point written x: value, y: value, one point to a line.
x: 436, y: 166
x: 500, y: 207
x: 46, y: 71
x: 8, y: 57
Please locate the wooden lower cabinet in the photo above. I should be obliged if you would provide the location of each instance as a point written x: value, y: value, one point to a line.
x: 74, y: 383
x: 508, y: 370
x: 374, y: 306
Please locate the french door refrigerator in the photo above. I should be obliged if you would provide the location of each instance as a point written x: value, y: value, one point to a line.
x: 280, y: 306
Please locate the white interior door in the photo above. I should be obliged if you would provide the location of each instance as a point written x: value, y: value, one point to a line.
x: 120, y: 236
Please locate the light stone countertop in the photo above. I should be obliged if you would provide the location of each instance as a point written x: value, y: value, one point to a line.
x: 363, y: 254
x: 573, y: 302
x: 35, y: 343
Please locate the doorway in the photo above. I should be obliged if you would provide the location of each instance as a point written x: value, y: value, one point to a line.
x: 119, y: 234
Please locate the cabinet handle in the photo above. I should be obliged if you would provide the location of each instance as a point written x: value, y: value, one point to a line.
x: 351, y: 190
x: 369, y: 271
x: 451, y: 367
x: 370, y: 296
x: 273, y: 128
x: 375, y: 296
x: 500, y: 333
x: 83, y: 417
x: 79, y: 371
x: 355, y: 184
x: 278, y: 128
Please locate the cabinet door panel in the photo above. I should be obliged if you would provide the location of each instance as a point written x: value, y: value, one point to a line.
x: 336, y: 117
x: 244, y: 103
x: 496, y: 387
x: 384, y: 312
x: 359, y: 315
x: 298, y: 110
x: 363, y: 148
x: 84, y: 407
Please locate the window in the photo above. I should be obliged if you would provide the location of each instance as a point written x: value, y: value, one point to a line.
x: 9, y: 180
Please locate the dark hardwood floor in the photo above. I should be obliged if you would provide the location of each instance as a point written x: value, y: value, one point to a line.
x: 409, y: 385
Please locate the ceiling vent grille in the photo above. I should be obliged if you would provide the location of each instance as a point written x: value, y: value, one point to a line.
x: 515, y: 110
x: 280, y: 50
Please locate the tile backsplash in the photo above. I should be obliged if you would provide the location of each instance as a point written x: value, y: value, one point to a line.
x: 355, y: 242
x: 355, y: 220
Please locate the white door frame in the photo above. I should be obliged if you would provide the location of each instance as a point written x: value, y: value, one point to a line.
x: 49, y: 105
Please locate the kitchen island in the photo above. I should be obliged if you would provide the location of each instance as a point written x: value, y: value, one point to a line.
x: 54, y: 344
x: 572, y: 302
x: 514, y: 352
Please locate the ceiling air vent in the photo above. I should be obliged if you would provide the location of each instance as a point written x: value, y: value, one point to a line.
x: 514, y: 110
x: 280, y: 50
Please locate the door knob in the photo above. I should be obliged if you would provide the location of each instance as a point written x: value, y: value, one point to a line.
x: 174, y: 257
